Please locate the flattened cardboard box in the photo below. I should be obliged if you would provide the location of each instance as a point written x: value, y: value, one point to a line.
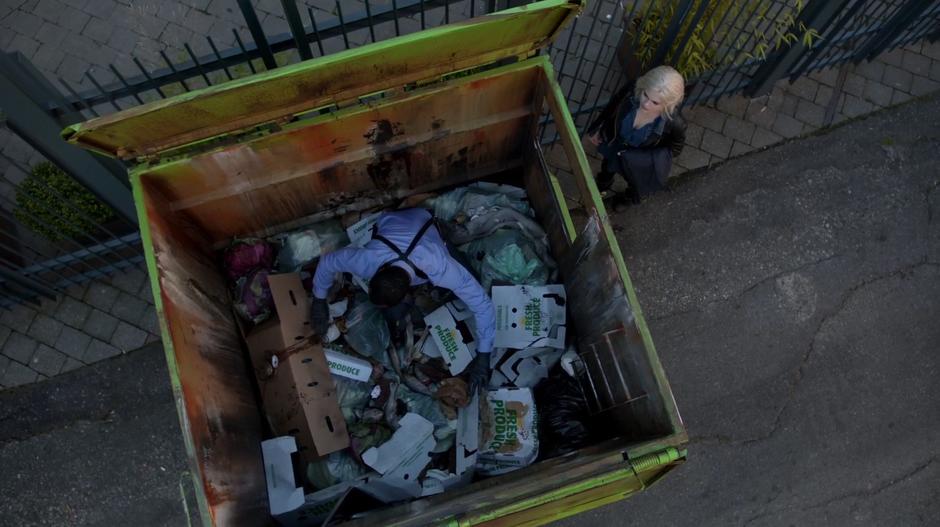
x: 300, y: 397
x: 510, y: 431
x: 452, y: 333
x: 286, y: 501
x: 529, y: 316
x: 359, y: 235
x: 401, y: 459
x: 348, y: 366
x: 361, y: 232
x: 525, y: 368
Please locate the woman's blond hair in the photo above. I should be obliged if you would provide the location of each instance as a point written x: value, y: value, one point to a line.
x: 665, y: 81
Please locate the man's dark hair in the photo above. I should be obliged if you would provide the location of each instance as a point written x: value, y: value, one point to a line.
x: 389, y: 286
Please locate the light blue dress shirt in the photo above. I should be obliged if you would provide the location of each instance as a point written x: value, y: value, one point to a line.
x: 430, y: 256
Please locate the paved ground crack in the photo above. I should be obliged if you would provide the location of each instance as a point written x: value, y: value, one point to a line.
x: 799, y: 373
x: 927, y: 194
x: 865, y: 493
x: 746, y: 290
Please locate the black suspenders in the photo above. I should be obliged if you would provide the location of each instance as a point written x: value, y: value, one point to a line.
x: 403, y: 256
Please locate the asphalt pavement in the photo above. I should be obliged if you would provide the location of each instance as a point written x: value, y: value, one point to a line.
x: 793, y: 298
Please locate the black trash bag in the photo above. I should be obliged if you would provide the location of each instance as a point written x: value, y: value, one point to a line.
x: 564, y: 421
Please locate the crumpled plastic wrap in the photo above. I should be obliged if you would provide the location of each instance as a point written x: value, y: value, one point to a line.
x: 246, y: 255
x: 507, y: 257
x: 366, y: 329
x: 335, y: 468
x: 363, y: 436
x: 564, y: 423
x: 511, y: 264
x: 353, y: 397
x: 445, y: 430
x: 253, y: 297
x: 476, y: 198
x: 302, y: 247
x: 492, y: 219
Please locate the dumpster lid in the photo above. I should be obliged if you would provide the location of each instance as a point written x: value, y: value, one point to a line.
x: 277, y: 95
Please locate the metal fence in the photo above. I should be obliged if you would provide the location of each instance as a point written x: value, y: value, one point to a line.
x: 52, y: 240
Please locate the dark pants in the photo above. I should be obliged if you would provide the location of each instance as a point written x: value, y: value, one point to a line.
x: 605, y: 179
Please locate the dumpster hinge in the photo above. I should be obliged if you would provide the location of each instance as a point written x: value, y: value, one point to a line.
x: 656, y: 459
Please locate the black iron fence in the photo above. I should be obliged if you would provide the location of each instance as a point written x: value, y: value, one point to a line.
x: 55, y: 239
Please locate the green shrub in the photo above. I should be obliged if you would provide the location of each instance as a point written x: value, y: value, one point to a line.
x: 770, y: 31
x: 48, y: 201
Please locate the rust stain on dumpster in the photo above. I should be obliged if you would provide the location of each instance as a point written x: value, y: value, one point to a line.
x: 382, y: 132
x: 385, y: 172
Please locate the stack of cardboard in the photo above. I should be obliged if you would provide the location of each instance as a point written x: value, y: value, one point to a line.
x: 297, y: 389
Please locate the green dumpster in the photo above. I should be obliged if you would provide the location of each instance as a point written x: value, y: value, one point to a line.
x: 253, y: 157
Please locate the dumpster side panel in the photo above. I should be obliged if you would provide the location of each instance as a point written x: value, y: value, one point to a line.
x: 440, y: 136
x: 218, y: 408
x: 622, y: 384
x: 542, y: 187
x: 627, y: 381
x: 485, y: 496
x: 546, y: 198
x: 583, y: 496
x: 546, y: 491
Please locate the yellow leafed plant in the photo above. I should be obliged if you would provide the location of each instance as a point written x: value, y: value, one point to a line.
x: 762, y: 26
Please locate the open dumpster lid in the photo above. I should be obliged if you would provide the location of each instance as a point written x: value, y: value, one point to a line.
x: 278, y: 94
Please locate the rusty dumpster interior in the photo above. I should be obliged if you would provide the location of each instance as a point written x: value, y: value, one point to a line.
x: 481, y: 126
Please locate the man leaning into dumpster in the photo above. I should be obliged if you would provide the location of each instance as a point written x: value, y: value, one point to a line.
x: 407, y: 250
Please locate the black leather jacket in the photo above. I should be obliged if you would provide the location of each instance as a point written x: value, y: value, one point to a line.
x: 669, y: 133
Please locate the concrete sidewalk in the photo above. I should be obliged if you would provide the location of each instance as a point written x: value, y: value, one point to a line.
x: 792, y: 295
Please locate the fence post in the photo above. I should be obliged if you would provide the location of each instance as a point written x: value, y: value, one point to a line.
x: 35, y: 85
x: 672, y: 33
x: 297, y: 29
x: 817, y: 14
x: 898, y: 23
x: 33, y: 122
x: 257, y: 33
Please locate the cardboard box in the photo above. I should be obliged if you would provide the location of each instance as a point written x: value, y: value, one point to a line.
x: 468, y: 435
x: 296, y: 386
x: 359, y: 235
x: 348, y: 366
x: 401, y: 459
x: 415, y: 435
x: 429, y: 347
x: 510, y: 432
x: 452, y: 330
x: 529, y: 316
x: 286, y: 501
x: 467, y: 446
x: 361, y: 232
x: 525, y: 368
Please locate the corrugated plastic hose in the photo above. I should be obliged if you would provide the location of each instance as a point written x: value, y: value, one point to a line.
x: 649, y: 461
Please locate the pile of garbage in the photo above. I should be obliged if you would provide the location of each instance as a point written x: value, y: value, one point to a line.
x: 414, y: 429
